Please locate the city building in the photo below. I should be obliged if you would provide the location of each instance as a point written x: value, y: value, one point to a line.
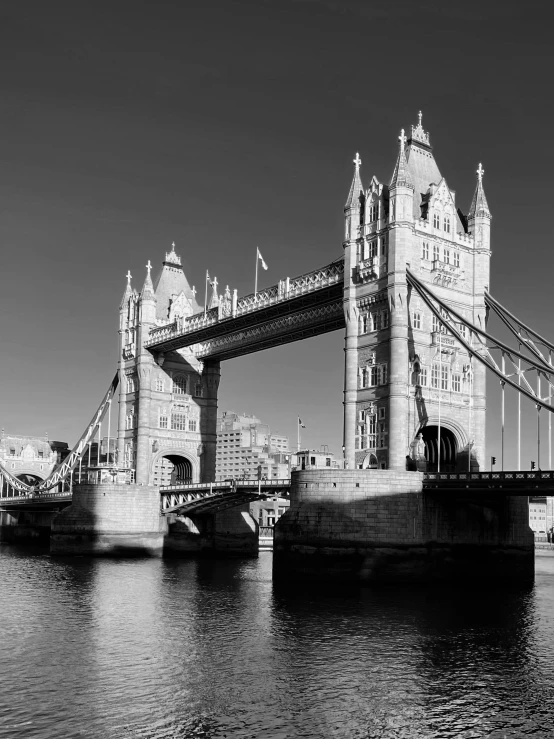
x: 247, y: 449
x: 310, y: 459
x: 541, y: 515
x: 31, y: 458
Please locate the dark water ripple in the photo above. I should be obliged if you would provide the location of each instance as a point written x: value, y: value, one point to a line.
x: 173, y: 649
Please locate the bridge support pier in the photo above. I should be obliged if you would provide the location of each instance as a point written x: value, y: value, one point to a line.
x: 380, y: 525
x: 232, y: 531
x: 110, y: 520
x: 26, y: 527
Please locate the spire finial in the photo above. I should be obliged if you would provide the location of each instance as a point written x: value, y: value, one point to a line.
x: 420, y: 116
x: 173, y: 244
x: 480, y: 172
x: 402, y: 139
x: 148, y: 267
x: 358, y: 162
x: 129, y: 277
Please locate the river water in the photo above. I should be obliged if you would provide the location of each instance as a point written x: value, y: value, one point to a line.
x: 168, y: 649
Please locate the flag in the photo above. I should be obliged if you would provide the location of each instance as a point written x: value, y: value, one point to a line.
x: 264, y: 265
x: 302, y: 426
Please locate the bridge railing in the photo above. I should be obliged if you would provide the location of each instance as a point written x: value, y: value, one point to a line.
x: 484, y: 476
x: 285, y: 290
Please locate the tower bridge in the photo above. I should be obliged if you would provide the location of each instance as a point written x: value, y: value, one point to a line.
x: 411, y: 292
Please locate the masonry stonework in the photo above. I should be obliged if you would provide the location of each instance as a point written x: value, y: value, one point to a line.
x: 379, y: 525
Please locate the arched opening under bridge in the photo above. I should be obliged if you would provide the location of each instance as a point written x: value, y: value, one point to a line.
x: 448, y: 448
x: 29, y: 478
x: 172, y: 469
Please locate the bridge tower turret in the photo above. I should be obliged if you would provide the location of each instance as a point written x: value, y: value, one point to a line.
x: 353, y: 220
x: 401, y: 197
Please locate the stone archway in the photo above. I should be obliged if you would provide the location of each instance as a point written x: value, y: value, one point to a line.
x: 448, y: 448
x: 29, y: 478
x: 173, y: 468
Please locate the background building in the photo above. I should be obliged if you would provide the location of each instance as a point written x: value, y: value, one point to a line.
x: 31, y: 458
x: 310, y: 459
x: 246, y: 448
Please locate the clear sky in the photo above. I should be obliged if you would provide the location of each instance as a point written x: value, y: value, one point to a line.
x: 224, y: 125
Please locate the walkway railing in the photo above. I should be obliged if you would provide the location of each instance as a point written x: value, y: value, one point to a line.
x: 484, y: 476
x: 287, y: 289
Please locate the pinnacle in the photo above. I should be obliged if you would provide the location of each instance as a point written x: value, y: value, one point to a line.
x: 401, y: 176
x: 479, y: 205
x: 356, y: 188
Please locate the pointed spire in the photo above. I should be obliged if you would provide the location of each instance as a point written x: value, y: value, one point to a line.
x: 479, y: 205
x: 401, y: 176
x: 356, y: 188
x: 128, y: 290
x: 418, y: 134
x: 148, y: 288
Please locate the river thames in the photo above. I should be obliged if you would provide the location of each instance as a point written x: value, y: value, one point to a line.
x: 169, y: 649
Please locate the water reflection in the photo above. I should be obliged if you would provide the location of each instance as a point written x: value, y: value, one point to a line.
x: 173, y: 648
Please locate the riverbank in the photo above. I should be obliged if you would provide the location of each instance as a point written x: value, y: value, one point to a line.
x: 544, y: 561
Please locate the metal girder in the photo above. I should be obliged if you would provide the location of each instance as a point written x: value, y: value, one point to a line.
x: 483, y: 346
x: 249, y: 321
x: 506, y: 483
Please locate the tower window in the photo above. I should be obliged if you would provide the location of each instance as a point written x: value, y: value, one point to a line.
x: 417, y: 320
x: 179, y: 385
x: 435, y: 376
x: 384, y: 319
x: 192, y: 425
x: 436, y: 220
x: 130, y: 384
x: 423, y: 376
x: 159, y: 384
x: 198, y: 390
x: 456, y: 258
x: 446, y: 256
x: 425, y: 250
x: 435, y: 252
x: 178, y: 421
x: 444, y: 377
x: 447, y: 224
x: 163, y: 420
x: 456, y: 383
x: 373, y: 248
x: 130, y: 421
x: 373, y: 212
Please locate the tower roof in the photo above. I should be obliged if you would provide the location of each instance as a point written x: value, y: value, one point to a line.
x: 479, y: 205
x: 147, y: 291
x: 356, y: 188
x: 128, y: 290
x: 401, y: 176
x: 172, y: 281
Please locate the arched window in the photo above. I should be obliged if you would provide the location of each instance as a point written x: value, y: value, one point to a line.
x: 436, y: 221
x: 130, y: 420
x: 130, y: 384
x: 179, y: 385
x: 447, y: 224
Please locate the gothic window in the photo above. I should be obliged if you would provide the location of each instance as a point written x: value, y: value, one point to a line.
x: 435, y: 252
x: 373, y: 212
x: 417, y: 320
x: 163, y: 419
x: 423, y: 376
x: 375, y: 322
x: 456, y: 383
x: 198, y: 390
x: 361, y: 416
x: 384, y: 245
x: 436, y: 220
x: 435, y: 376
x: 159, y: 384
x: 444, y: 377
x: 382, y: 413
x: 179, y: 385
x: 425, y: 250
x: 385, y: 319
x: 447, y: 224
x: 435, y: 324
x: 373, y: 248
x: 130, y: 420
x: 130, y: 384
x: 372, y: 425
x: 364, y: 323
x: 192, y: 425
x: 178, y: 421
x: 456, y: 258
x: 446, y: 256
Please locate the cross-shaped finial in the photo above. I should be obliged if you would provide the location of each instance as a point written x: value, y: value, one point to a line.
x: 128, y: 276
x: 214, y: 284
x: 402, y: 139
x: 193, y: 291
x: 148, y: 267
x: 420, y: 116
x: 480, y: 172
x: 357, y: 161
x: 173, y: 244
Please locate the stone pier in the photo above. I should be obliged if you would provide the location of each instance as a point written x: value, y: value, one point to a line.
x: 379, y: 525
x: 112, y: 520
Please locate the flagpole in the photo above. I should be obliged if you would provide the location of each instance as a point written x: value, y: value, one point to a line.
x: 298, y: 437
x: 256, y: 279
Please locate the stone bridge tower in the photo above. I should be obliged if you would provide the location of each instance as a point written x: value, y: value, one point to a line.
x: 168, y: 403
x: 413, y: 397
